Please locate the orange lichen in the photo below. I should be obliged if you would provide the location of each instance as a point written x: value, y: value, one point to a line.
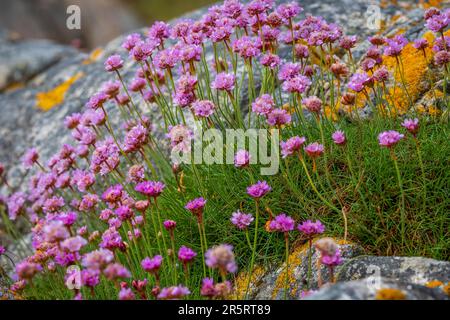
x: 240, y: 284
x: 390, y: 294
x: 93, y: 56
x: 426, y: 4
x: 55, y: 96
x: 434, y: 284
x: 447, y: 288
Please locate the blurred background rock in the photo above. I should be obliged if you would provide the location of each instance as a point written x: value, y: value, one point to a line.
x: 101, y: 20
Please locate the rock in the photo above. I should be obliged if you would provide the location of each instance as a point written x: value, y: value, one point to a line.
x: 269, y: 284
x: 385, y: 289
x: 414, y: 270
x: 20, y: 61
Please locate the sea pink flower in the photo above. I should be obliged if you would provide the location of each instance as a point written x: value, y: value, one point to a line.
x: 289, y: 10
x: 113, y: 63
x: 97, y: 259
x: 282, y: 223
x: 310, y: 228
x: 358, y: 81
x: 224, y: 81
x: 116, y: 271
x: 241, y: 220
x: 150, y: 188
x: 27, y: 270
x: 289, y: 70
x: 278, y: 117
x: 173, y: 293
x: 442, y: 58
x: 196, y: 207
x: 152, y: 265
x: 169, y: 225
x: 241, y: 159
x: 270, y: 60
x: 73, y: 244
x: 412, y: 125
x: 297, y: 84
x: 263, y: 105
x: 203, y: 108
x: 389, y: 138
x: 314, y: 149
x: 126, y: 294
x: 395, y: 45
x: 222, y: 258
x: 348, y: 42
x: 259, y: 189
x: 186, y: 255
x: 338, y: 137
x: 30, y: 158
x: 313, y: 104
x: 421, y: 44
x: 291, y: 145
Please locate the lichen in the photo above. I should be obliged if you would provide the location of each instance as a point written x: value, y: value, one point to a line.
x: 47, y: 100
x: 390, y: 294
x: 240, y: 284
x: 93, y: 56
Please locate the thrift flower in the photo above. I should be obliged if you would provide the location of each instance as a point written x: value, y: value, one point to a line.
x: 173, y: 293
x: 259, y: 189
x: 113, y: 63
x: 310, y: 228
x: 389, y: 138
x: 224, y: 81
x: 241, y: 159
x: 222, y: 258
x: 150, y: 188
x: 152, y: 265
x: 314, y: 149
x: 291, y: 145
x: 282, y: 223
x: 412, y: 125
x: 186, y: 255
x: 338, y: 137
x: 241, y: 220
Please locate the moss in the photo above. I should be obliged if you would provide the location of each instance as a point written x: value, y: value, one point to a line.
x: 390, y: 294
x: 49, y: 99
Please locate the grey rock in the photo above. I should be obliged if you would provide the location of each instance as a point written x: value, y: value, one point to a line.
x: 364, y: 290
x: 20, y: 61
x: 271, y: 284
x: 415, y: 270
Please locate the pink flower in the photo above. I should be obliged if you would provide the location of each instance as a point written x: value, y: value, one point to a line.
x: 241, y: 220
x: 126, y: 294
x: 258, y: 190
x: 313, y: 104
x: 282, y: 223
x: 73, y: 244
x: 222, y: 258
x: 241, y: 159
x: 314, y: 149
x: 310, y: 228
x: 186, y: 255
x: 203, y: 108
x: 412, y: 125
x: 263, y: 105
x: 421, y: 44
x: 291, y: 145
x: 389, y: 138
x: 113, y: 63
x: 173, y: 293
x: 297, y: 84
x: 196, y: 206
x: 116, y: 271
x: 27, y: 270
x: 358, y: 81
x: 289, y: 10
x: 152, y: 265
x: 278, y: 117
x: 338, y: 137
x: 97, y: 259
x: 169, y: 225
x: 270, y: 60
x: 150, y: 188
x: 30, y: 158
x: 224, y: 81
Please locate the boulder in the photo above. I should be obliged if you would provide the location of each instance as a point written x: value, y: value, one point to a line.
x: 384, y: 289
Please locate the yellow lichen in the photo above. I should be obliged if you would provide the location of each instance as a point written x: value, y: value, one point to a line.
x: 447, y: 288
x: 240, y: 284
x: 93, y: 56
x: 390, y: 294
x: 55, y: 96
x: 434, y: 284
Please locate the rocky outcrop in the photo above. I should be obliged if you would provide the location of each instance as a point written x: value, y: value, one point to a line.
x: 384, y: 289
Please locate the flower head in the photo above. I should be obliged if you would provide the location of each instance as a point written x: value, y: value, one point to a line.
x: 412, y: 125
x: 338, y: 137
x: 241, y: 158
x: 313, y: 104
x: 113, y: 63
x: 203, y: 108
x: 224, y: 81
x: 186, y: 254
x: 258, y: 190
x: 222, y: 258
x: 314, y: 149
x: 152, y: 265
x: 278, y: 117
x: 282, y: 223
x: 30, y: 158
x: 150, y: 188
x: 241, y: 220
x: 291, y: 145
x: 310, y: 228
x: 389, y: 138
x: 173, y: 293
